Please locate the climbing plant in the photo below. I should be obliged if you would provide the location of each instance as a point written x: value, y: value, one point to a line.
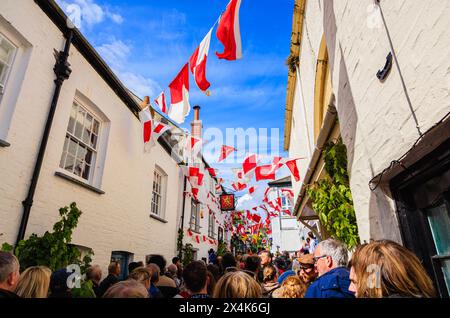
x: 180, y: 243
x: 188, y: 254
x: 331, y: 197
x: 221, y: 248
x: 53, y: 249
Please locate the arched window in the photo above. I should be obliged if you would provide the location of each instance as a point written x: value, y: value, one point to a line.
x: 323, y: 87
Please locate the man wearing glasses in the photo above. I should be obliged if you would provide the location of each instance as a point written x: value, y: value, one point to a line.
x: 307, y: 270
x: 330, y: 258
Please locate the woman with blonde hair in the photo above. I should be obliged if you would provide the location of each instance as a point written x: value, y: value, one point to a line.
x: 237, y: 284
x: 34, y: 282
x: 386, y: 269
x: 142, y: 275
x: 292, y: 287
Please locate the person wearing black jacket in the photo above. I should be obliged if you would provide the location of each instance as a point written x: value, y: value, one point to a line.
x: 111, y: 279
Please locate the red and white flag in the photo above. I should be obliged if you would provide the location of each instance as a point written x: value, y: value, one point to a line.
x: 159, y: 129
x: 179, y: 96
x: 265, y: 172
x: 229, y: 33
x: 145, y: 116
x: 225, y: 151
x: 292, y: 165
x: 198, y: 63
x: 161, y: 102
x: 249, y: 164
x: 212, y: 171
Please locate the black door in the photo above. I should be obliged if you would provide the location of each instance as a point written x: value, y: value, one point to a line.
x: 422, y: 195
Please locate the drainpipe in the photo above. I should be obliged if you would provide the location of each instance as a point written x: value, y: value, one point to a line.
x: 62, y: 71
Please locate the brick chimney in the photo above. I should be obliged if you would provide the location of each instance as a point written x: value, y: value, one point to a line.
x: 196, y: 124
x: 145, y: 102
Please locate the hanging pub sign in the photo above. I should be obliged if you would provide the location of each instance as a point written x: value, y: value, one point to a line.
x: 227, y: 202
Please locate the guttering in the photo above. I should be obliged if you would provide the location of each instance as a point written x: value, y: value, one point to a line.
x: 62, y: 71
x: 296, y: 40
x: 327, y: 127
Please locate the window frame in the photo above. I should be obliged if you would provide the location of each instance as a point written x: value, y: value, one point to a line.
x: 211, y: 229
x: 194, y: 221
x: 159, y: 172
x: 11, y: 63
x: 71, y: 136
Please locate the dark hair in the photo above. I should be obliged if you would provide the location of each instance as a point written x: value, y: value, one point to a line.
x: 175, y: 260
x: 214, y: 270
x: 194, y: 275
x: 158, y: 260
x: 132, y: 266
x: 58, y: 284
x: 280, y: 263
x: 252, y: 263
x: 311, y: 235
x: 228, y: 260
x: 212, y: 283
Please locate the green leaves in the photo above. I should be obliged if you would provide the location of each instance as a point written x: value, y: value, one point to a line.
x: 53, y: 249
x: 332, y: 199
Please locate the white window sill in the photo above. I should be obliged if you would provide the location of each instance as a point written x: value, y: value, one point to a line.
x: 156, y: 217
x: 78, y: 182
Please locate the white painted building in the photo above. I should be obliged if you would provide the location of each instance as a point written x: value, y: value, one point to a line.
x: 395, y: 128
x: 131, y: 200
x: 288, y: 232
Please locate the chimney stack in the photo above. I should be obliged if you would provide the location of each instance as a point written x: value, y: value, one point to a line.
x: 196, y: 124
x: 145, y: 102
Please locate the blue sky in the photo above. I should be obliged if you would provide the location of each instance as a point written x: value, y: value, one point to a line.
x: 146, y: 42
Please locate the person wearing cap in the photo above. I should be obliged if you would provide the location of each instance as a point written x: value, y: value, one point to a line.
x: 307, y: 271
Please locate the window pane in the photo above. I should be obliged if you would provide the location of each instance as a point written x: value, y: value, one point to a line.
x: 78, y: 170
x: 87, y: 129
x: 6, y: 51
x: 88, y: 157
x: 72, y: 147
x: 3, y: 72
x: 96, y: 127
x: 87, y: 170
x: 81, y: 154
x: 72, y: 118
x: 70, y: 161
x: 94, y: 141
x: 64, y: 153
x: 439, y: 221
x: 79, y: 123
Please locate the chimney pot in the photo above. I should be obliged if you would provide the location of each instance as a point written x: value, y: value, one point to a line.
x: 196, y: 112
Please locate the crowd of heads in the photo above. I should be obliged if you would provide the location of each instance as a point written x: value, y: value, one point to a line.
x: 376, y: 270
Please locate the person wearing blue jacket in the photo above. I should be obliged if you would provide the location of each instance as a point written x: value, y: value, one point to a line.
x: 331, y: 258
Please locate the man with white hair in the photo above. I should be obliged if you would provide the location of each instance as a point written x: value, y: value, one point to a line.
x: 9, y: 274
x: 331, y: 258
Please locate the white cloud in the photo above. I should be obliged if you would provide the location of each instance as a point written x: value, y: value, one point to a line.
x: 117, y: 54
x: 87, y: 13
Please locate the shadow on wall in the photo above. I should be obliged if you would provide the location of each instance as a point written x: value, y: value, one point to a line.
x: 381, y: 212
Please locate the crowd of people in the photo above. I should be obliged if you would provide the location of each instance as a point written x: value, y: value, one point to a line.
x: 376, y: 270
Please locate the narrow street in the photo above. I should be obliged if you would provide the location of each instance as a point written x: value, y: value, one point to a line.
x: 224, y: 149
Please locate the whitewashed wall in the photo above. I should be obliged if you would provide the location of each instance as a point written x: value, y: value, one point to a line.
x: 115, y: 221
x: 376, y: 124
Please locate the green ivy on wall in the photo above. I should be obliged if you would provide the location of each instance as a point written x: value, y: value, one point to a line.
x: 332, y: 199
